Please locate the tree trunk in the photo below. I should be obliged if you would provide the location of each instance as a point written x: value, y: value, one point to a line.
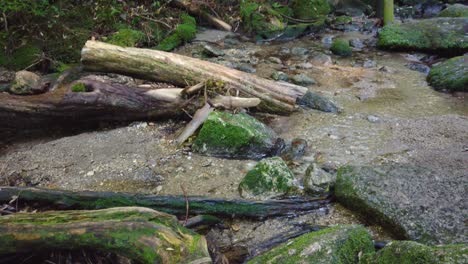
x: 175, y: 205
x: 388, y: 12
x: 140, y: 234
x: 277, y: 97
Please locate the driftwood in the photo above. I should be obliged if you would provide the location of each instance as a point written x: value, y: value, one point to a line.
x: 141, y: 234
x: 175, y: 205
x: 154, y: 65
x: 194, y: 9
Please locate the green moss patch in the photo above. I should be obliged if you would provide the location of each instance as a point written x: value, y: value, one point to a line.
x: 310, y: 9
x: 78, y: 88
x: 184, y: 32
x: 451, y: 75
x: 341, y: 47
x: 261, y: 19
x: 127, y: 37
x: 340, y: 244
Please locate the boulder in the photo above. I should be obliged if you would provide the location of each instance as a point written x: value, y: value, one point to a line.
x: 302, y: 79
x: 280, y: 76
x: 415, y: 253
x: 451, y: 75
x: 414, y: 202
x: 269, y: 178
x: 441, y: 35
x: 234, y: 136
x: 318, y: 102
x: 341, y: 47
x: 455, y: 10
x: 318, y: 181
x: 25, y: 83
x: 338, y: 244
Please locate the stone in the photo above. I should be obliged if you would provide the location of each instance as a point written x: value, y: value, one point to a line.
x: 246, y: 68
x: 25, y: 83
x: 6, y: 76
x: 418, y: 67
x: 280, y: 76
x: 298, y: 51
x: 293, y: 150
x: 356, y: 43
x: 416, y: 253
x: 415, y: 202
x: 317, y: 181
x: 341, y: 47
x: 231, y: 42
x: 212, y: 51
x: 369, y: 63
x: 373, y: 118
x: 305, y: 65
x: 213, y: 35
x: 234, y: 136
x: 446, y: 35
x: 455, y: 10
x: 321, y: 59
x: 338, y: 244
x: 451, y: 75
x: 302, y: 79
x: 270, y: 178
x: 275, y: 60
x: 327, y: 41
x: 285, y: 51
x: 318, y: 102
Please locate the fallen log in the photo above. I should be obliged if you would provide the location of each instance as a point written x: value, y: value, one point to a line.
x: 140, y: 234
x: 175, y: 205
x: 154, y: 65
x: 194, y: 9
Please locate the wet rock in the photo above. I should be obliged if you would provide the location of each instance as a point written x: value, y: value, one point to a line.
x: 415, y: 202
x: 327, y: 41
x: 212, y: 35
x: 373, y: 119
x: 321, y: 59
x: 270, y: 178
x: 234, y: 136
x: 212, y: 51
x: 302, y: 79
x: 294, y: 150
x: 246, y: 68
x: 413, y: 252
x: 6, y: 76
x: 298, y: 51
x: 341, y: 47
x: 338, y: 244
x: 356, y: 43
x: 305, y: 65
x: 455, y: 10
x: 25, y: 83
x: 418, y: 67
x: 317, y: 181
x: 446, y: 35
x: 231, y: 42
x: 280, y: 76
x: 318, y: 102
x: 369, y: 64
x: 275, y: 60
x: 285, y: 51
x: 451, y: 75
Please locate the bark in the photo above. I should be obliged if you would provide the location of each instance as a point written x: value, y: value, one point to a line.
x: 140, y: 234
x: 276, y: 97
x: 175, y: 205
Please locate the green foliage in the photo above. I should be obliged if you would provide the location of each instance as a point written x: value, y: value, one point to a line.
x: 78, y: 88
x: 184, y: 32
x: 341, y: 47
x: 262, y: 19
x: 310, y: 9
x: 127, y: 37
x: 24, y: 56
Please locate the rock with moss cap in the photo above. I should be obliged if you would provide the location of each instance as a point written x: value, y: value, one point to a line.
x: 410, y: 252
x: 392, y: 195
x: 443, y: 35
x: 234, y: 136
x: 270, y: 178
x: 455, y: 10
x: 341, y: 47
x: 261, y: 20
x: 339, y: 244
x: 25, y: 83
x: 451, y: 75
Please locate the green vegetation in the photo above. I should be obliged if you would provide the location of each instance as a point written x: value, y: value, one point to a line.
x: 261, y: 19
x: 451, y: 75
x: 456, y: 10
x: 341, y: 47
x: 184, y: 32
x: 310, y: 9
x: 127, y: 37
x: 78, y: 88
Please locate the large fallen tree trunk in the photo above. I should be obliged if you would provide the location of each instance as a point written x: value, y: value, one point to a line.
x: 277, y: 97
x: 140, y: 234
x: 175, y: 205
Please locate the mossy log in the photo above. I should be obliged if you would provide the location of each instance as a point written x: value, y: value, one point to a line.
x: 175, y: 205
x: 141, y: 234
x: 155, y: 65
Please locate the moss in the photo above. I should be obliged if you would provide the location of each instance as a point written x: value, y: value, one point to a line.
x: 340, y: 244
x: 342, y: 20
x: 24, y: 56
x: 78, y: 88
x: 261, y: 19
x: 456, y: 10
x: 341, y: 47
x: 310, y: 9
x: 451, y: 75
x: 127, y: 37
x: 270, y: 177
x: 185, y: 32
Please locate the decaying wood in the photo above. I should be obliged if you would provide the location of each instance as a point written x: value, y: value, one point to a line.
x: 194, y: 9
x: 233, y: 102
x: 154, y: 65
x: 170, y: 204
x: 141, y: 234
x: 198, y: 119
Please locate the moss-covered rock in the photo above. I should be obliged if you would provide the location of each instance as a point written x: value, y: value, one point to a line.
x: 451, y: 75
x: 127, y: 37
x: 310, y: 9
x: 25, y: 83
x: 410, y: 252
x: 270, y: 178
x: 456, y: 10
x: 341, y: 47
x: 261, y: 20
x: 391, y: 195
x: 184, y: 32
x: 340, y: 244
x: 234, y: 136
x: 442, y: 35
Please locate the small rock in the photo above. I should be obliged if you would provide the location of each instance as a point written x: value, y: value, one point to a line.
x: 322, y: 59
x: 294, y: 150
x: 26, y: 83
x: 305, y: 65
x: 369, y: 63
x: 275, y: 60
x: 419, y: 67
x: 285, y: 51
x: 356, y: 43
x: 327, y: 41
x: 280, y: 76
x: 341, y: 47
x: 6, y: 76
x: 373, y: 119
x: 298, y: 51
x: 212, y: 51
x: 318, y: 102
x: 231, y: 42
x: 317, y: 180
x: 246, y: 68
x: 302, y: 79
